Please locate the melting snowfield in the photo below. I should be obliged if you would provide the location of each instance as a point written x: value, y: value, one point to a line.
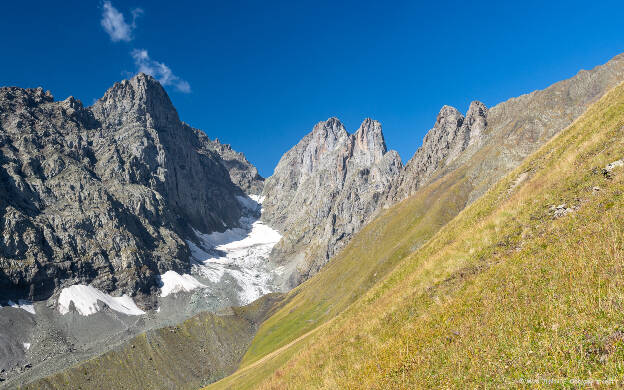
x: 22, y: 304
x: 238, y: 258
x: 87, y: 300
x: 172, y: 282
x: 232, y: 264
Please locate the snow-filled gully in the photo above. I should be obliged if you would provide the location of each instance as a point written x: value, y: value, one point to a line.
x: 239, y: 255
x: 235, y: 260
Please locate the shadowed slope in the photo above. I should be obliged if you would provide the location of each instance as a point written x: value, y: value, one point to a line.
x: 198, y: 351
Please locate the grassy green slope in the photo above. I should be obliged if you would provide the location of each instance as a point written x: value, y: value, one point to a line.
x: 373, y: 253
x: 503, y: 294
x: 516, y: 127
x: 367, y: 259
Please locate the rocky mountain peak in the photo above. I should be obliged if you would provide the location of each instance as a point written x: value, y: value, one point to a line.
x: 323, y: 190
x: 141, y: 98
x: 324, y: 138
x: 74, y: 109
x: 107, y: 195
x: 451, y: 134
x: 72, y: 103
x: 329, y: 132
x: 25, y: 97
x: 449, y: 115
x: 476, y: 109
x: 476, y: 122
x: 369, y: 141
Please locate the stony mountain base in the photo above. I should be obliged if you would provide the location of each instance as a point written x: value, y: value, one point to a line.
x: 195, y: 352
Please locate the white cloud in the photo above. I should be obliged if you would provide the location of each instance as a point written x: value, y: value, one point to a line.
x: 158, y: 70
x: 118, y: 29
x: 115, y: 24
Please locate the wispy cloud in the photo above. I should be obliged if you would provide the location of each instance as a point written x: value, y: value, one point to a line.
x: 115, y: 24
x: 158, y: 70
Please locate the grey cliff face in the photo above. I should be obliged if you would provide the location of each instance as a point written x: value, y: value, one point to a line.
x: 476, y: 122
x: 490, y: 143
x: 242, y: 172
x: 442, y: 145
x: 324, y: 190
x: 165, y: 154
x: 103, y: 195
x: 328, y: 186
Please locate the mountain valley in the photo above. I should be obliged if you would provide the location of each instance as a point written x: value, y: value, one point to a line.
x: 137, y: 252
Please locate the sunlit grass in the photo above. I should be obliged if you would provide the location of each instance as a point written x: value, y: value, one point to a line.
x: 504, y: 295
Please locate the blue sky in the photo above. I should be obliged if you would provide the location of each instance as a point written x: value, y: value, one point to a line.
x: 260, y: 74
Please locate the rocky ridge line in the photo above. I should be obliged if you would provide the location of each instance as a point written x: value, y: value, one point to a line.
x: 106, y: 195
x: 324, y: 190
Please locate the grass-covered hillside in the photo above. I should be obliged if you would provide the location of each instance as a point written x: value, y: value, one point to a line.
x: 513, y: 291
x: 516, y: 128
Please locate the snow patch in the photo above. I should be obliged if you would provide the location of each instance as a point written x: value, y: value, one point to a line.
x: 24, y: 305
x: 87, y: 301
x: 172, y: 282
x: 240, y: 254
x: 26, y: 346
x: 257, y: 198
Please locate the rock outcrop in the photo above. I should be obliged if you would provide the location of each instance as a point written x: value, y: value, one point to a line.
x: 242, y: 172
x: 104, y: 195
x: 442, y: 145
x: 324, y: 190
x: 487, y: 143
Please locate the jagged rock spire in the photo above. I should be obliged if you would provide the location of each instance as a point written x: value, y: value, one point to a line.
x: 443, y: 144
x: 324, y: 189
x: 476, y: 122
x: 323, y: 139
x: 142, y: 97
x: 369, y: 141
